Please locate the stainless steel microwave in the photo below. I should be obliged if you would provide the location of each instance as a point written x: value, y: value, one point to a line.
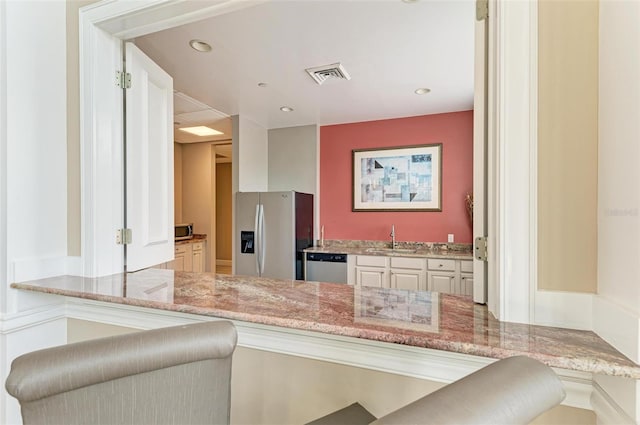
x: 184, y: 231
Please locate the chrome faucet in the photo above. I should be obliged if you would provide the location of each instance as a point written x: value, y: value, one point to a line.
x: 393, y: 237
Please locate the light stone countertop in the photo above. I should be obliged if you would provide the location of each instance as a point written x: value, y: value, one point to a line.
x: 195, y: 239
x: 414, y: 318
x: 421, y: 253
x: 404, y: 249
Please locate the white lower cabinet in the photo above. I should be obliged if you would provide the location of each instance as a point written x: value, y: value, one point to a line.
x: 408, y: 273
x: 408, y: 279
x: 197, y: 261
x: 445, y: 283
x: 466, y: 278
x: 189, y: 257
x: 390, y: 272
x: 371, y: 276
x: 444, y: 275
x: 372, y: 271
x: 466, y: 285
x: 183, y: 258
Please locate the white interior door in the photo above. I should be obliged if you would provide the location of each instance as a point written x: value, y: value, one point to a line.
x: 480, y: 229
x: 149, y: 162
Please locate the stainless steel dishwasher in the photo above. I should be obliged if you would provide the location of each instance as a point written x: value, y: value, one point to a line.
x: 325, y: 267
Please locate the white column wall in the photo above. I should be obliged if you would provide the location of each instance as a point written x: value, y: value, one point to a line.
x: 33, y: 177
x: 302, y: 144
x: 293, y: 159
x: 36, y: 132
x: 617, y: 306
x: 250, y: 163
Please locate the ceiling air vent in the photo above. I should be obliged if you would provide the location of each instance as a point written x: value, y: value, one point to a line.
x: 321, y: 74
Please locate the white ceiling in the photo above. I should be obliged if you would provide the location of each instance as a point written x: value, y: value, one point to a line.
x: 389, y: 48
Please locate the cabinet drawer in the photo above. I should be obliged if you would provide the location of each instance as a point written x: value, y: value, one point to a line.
x: 408, y: 263
x: 198, y: 246
x: 181, y: 249
x: 369, y: 260
x: 441, y: 264
x: 466, y: 266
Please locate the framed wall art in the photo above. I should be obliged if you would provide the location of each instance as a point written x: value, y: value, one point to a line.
x: 407, y: 178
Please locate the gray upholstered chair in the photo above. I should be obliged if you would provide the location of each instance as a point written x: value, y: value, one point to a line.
x: 512, y: 391
x: 176, y: 375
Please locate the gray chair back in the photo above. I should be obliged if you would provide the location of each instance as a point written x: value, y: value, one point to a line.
x: 511, y: 391
x: 176, y: 375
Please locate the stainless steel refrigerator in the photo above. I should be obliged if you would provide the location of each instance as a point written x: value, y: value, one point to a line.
x: 272, y: 229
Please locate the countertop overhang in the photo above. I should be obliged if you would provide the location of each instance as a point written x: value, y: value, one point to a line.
x: 411, y: 318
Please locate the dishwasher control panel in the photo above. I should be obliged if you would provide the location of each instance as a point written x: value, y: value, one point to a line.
x: 323, y: 256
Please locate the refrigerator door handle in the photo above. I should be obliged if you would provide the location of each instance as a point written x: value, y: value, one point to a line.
x: 256, y: 242
x: 262, y: 240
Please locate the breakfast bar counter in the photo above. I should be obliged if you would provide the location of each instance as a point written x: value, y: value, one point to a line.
x: 417, y: 319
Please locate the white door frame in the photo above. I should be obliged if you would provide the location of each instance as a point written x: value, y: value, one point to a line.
x: 480, y: 168
x: 512, y: 139
x: 511, y: 128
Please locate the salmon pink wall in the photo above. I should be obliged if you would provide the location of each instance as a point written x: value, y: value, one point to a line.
x: 455, y: 132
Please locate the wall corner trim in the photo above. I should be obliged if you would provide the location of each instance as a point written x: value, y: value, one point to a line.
x: 618, y: 326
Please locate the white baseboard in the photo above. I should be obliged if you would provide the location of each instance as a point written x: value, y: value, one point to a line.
x: 226, y: 263
x: 618, y: 326
x: 15, y: 322
x: 614, y: 399
x: 573, y: 310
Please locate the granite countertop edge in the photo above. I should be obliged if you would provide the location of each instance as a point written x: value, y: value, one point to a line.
x: 584, y: 364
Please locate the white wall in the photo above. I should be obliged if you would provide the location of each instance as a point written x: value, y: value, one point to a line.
x: 33, y: 168
x: 618, y: 303
x: 294, y: 162
x: 293, y: 159
x: 36, y: 131
x: 250, y: 151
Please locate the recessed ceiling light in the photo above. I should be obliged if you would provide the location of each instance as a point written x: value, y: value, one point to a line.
x: 286, y: 109
x: 200, y: 45
x: 410, y: 1
x: 201, y: 131
x: 422, y: 90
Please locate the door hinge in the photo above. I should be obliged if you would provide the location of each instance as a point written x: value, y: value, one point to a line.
x: 123, y: 80
x: 123, y: 236
x: 480, y: 248
x: 482, y: 10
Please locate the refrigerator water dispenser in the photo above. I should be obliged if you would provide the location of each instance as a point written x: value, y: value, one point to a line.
x: 246, y: 242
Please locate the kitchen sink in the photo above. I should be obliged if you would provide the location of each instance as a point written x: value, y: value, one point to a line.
x: 391, y: 250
